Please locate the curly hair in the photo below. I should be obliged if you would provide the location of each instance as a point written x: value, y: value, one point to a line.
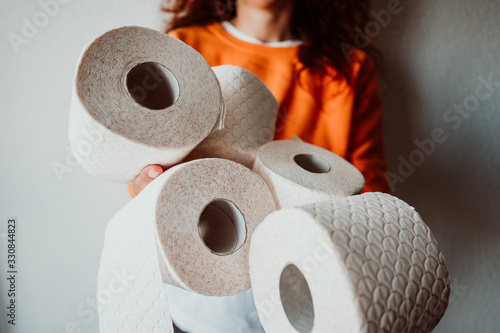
x: 323, y: 26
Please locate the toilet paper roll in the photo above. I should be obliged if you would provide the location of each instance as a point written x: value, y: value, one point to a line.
x: 140, y: 97
x: 251, y: 111
x: 299, y: 173
x: 130, y: 294
x: 190, y: 228
x: 366, y: 263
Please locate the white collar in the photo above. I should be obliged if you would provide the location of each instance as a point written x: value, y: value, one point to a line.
x: 231, y: 29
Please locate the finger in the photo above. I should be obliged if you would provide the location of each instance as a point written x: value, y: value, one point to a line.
x: 151, y: 172
x: 147, y: 175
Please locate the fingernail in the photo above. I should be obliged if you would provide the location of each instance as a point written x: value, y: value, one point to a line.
x: 153, y: 173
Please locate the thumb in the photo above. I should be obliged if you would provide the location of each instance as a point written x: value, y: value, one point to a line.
x: 146, y: 176
x: 150, y: 172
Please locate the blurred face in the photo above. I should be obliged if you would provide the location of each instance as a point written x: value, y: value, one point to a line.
x: 265, y: 4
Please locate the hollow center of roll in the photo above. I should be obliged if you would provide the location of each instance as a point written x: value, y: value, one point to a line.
x: 312, y: 163
x: 296, y: 299
x: 152, y: 85
x: 222, y: 227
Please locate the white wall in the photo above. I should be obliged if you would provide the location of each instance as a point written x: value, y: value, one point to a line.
x: 434, y: 50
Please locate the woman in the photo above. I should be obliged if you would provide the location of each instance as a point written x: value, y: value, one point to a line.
x: 326, y: 90
x: 302, y: 50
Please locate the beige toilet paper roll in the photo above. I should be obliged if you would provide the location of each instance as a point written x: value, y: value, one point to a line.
x: 251, y: 111
x: 191, y: 228
x: 140, y: 97
x: 299, y: 173
x: 366, y: 263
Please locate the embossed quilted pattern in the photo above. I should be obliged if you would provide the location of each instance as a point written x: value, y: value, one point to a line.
x: 130, y: 295
x: 392, y: 259
x: 370, y: 263
x: 251, y: 111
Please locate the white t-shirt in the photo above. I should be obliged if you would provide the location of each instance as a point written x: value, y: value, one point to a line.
x: 195, y: 313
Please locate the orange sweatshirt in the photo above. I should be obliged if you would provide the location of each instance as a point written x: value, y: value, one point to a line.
x: 326, y: 113
x: 319, y: 110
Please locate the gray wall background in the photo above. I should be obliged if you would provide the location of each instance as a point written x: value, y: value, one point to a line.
x: 436, y: 53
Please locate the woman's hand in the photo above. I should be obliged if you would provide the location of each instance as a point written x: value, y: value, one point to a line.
x: 148, y: 173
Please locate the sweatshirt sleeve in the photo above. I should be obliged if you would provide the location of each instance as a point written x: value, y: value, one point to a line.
x: 366, y: 148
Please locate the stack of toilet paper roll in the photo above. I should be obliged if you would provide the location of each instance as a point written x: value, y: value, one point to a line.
x: 137, y: 102
x: 328, y: 260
